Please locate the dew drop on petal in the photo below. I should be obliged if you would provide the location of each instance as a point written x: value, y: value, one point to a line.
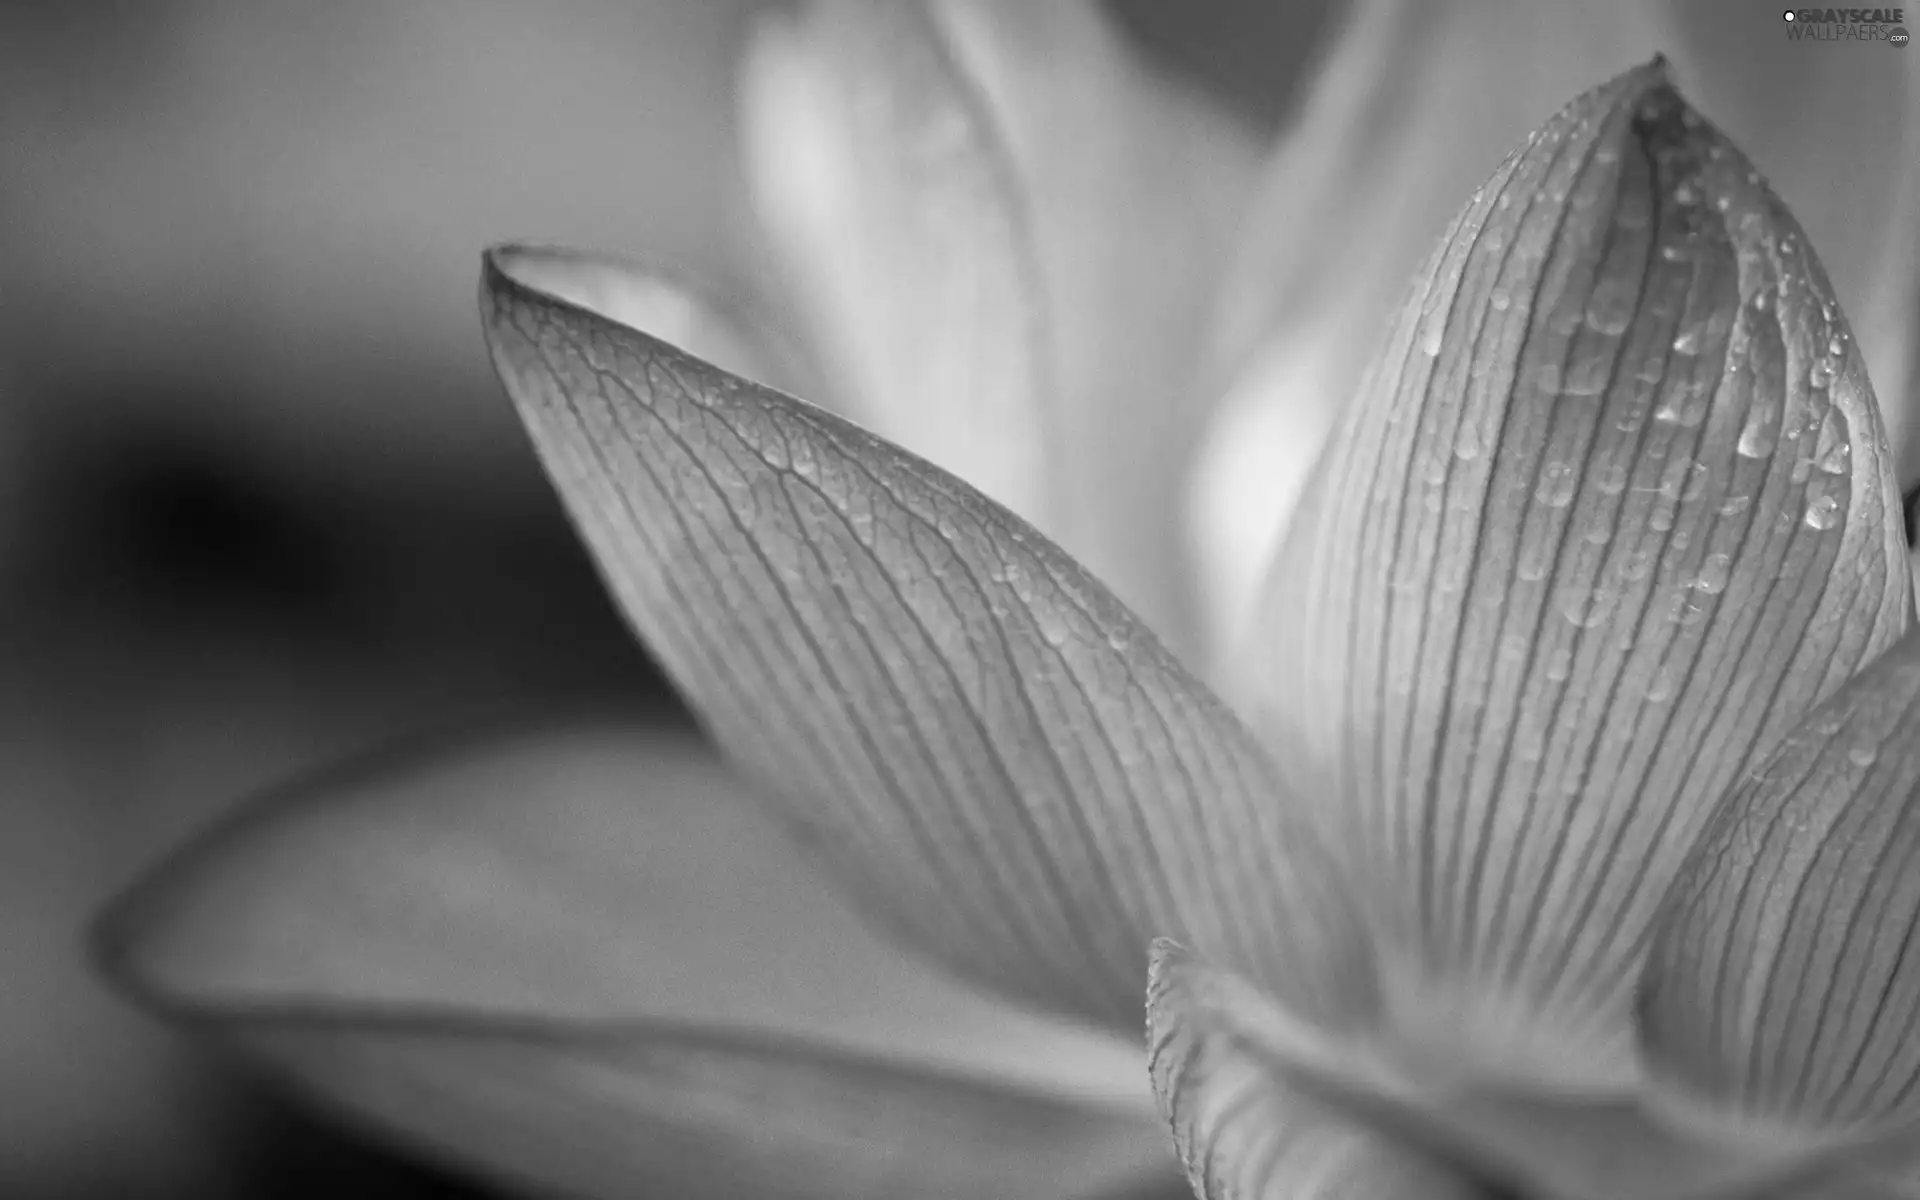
x: 1757, y: 436
x: 1660, y: 687
x: 1713, y: 574
x: 1557, y: 483
x: 1823, y: 512
x: 1863, y: 753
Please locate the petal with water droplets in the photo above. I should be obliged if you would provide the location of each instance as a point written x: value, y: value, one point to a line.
x: 1784, y: 986
x: 1411, y: 106
x: 1854, y: 185
x: 1612, y: 511
x: 1019, y: 776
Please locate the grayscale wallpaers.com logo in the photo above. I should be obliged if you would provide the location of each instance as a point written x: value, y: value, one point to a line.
x: 1847, y: 25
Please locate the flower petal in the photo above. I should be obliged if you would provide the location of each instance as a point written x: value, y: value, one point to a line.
x: 590, y: 873
x: 1853, y: 182
x: 1246, y: 1131
x: 1136, y: 188
x: 1784, y: 986
x: 890, y: 198
x: 701, y: 1114
x: 1612, y: 511
x: 1411, y: 106
x: 722, y: 329
x: 1018, y: 774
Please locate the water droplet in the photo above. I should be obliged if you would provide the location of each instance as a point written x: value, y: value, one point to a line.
x: 1836, y: 345
x: 1612, y: 479
x: 1694, y: 482
x: 1820, y: 374
x: 1863, y: 752
x: 1823, y: 512
x: 1684, y: 194
x: 1599, y: 533
x: 1584, y: 608
x: 1559, y: 665
x: 1466, y: 447
x: 1757, y: 436
x: 1660, y: 687
x: 1763, y: 300
x: 1661, y: 519
x: 1684, y: 405
x: 1687, y: 341
x: 1713, y: 574
x: 1500, y: 300
x: 1672, y: 252
x: 1119, y: 640
x: 1432, y: 330
x: 1637, y: 565
x: 1733, y: 506
x: 1610, y: 309
x: 1556, y: 485
x: 1832, y: 450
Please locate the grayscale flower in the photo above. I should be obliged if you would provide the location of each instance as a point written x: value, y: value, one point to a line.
x: 1557, y: 842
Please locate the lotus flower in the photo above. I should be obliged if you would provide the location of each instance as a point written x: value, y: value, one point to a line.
x: 1559, y: 847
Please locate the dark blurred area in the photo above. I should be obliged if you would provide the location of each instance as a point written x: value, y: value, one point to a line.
x: 261, y: 505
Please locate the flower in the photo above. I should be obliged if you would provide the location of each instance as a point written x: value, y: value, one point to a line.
x: 1559, y: 847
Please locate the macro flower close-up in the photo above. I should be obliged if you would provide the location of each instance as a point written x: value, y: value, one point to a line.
x: 1481, y: 729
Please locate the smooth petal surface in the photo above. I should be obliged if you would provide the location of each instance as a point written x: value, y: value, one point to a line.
x: 699, y: 1114
x: 601, y: 873
x: 1784, y: 988
x: 891, y: 199
x: 1136, y: 187
x: 1245, y: 1131
x: 1612, y: 511
x: 1005, y: 763
x: 1412, y: 104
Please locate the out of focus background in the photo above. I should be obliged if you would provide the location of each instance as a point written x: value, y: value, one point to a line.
x: 261, y: 503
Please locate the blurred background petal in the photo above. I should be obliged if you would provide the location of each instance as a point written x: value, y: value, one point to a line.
x: 601, y: 871
x: 1137, y: 182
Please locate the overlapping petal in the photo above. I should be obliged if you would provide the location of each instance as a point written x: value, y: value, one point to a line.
x: 1006, y: 229
x: 1014, y: 771
x: 893, y: 201
x: 1245, y: 1130
x: 1413, y: 103
x: 1137, y: 187
x: 1613, y: 510
x: 1783, y: 994
x: 585, y: 957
